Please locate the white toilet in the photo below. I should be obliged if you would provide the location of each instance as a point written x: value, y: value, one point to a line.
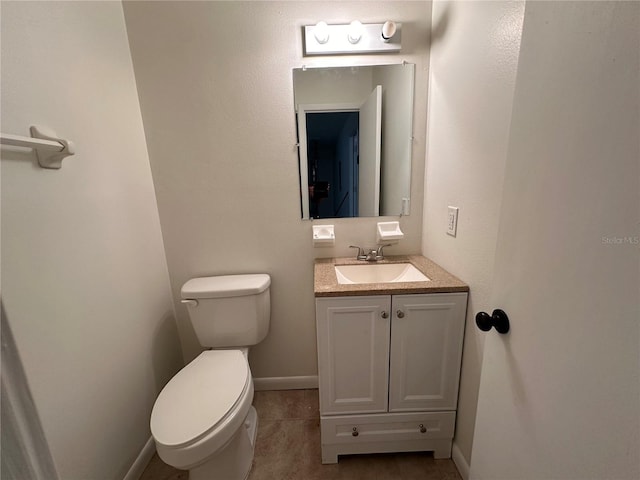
x: 203, y: 420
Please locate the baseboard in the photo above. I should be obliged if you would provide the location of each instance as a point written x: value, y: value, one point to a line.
x: 136, y: 470
x: 460, y: 462
x: 285, y: 383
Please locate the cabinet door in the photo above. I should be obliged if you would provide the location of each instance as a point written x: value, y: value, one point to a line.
x: 353, y: 353
x: 426, y: 350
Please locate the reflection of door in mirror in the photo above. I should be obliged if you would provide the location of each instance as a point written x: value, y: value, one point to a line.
x: 330, y: 163
x: 369, y: 170
x: 342, y: 153
x: 327, y: 159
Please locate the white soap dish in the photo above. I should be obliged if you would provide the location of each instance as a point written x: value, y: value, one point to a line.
x: 323, y: 236
x: 389, y: 232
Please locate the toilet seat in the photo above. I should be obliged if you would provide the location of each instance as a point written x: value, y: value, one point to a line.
x: 202, y: 407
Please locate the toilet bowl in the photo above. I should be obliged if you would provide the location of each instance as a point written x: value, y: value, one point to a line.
x: 203, y: 420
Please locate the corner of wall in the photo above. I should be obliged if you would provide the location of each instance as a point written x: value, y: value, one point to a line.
x: 472, y: 51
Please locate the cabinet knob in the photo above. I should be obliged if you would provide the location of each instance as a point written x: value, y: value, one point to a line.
x: 400, y: 314
x: 355, y: 432
x: 384, y: 314
x: 422, y: 428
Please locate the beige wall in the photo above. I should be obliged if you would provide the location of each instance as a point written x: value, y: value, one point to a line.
x: 84, y: 277
x: 474, y: 59
x: 216, y: 92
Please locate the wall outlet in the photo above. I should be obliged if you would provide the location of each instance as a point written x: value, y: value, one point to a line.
x: 452, y: 221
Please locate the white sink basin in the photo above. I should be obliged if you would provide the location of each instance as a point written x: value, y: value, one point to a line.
x: 379, y: 273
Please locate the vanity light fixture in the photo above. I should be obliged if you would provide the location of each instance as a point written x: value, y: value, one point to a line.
x: 388, y: 31
x: 321, y: 32
x: 353, y: 38
x: 355, y: 31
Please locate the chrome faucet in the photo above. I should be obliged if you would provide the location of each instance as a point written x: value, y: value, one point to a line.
x: 373, y: 255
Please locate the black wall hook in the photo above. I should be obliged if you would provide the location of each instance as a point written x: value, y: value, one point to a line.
x: 498, y: 319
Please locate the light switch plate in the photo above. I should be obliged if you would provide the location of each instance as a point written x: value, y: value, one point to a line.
x: 452, y: 221
x: 405, y: 206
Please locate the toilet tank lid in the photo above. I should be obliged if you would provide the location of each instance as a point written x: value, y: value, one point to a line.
x: 226, y: 286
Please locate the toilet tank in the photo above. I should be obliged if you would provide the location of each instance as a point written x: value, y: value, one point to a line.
x: 230, y: 310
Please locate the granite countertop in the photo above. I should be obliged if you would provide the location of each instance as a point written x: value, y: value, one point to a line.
x: 326, y: 283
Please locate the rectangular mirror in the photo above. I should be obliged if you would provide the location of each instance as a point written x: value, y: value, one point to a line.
x: 355, y: 130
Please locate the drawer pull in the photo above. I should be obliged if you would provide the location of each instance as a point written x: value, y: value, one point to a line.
x: 422, y: 428
x: 384, y: 314
x: 355, y: 432
x: 400, y: 314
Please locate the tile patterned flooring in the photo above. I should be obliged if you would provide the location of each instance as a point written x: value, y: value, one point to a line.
x: 288, y: 448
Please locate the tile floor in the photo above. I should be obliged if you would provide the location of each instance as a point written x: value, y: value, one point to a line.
x: 288, y: 448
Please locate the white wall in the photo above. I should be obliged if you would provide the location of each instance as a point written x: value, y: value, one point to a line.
x: 313, y: 87
x: 216, y: 91
x: 474, y: 59
x: 84, y: 277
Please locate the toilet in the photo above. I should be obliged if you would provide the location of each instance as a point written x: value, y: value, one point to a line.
x: 203, y: 420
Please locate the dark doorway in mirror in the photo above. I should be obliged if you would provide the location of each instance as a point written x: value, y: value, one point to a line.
x: 332, y: 152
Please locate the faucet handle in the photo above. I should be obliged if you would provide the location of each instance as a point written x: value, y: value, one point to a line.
x: 360, y: 255
x: 379, y: 251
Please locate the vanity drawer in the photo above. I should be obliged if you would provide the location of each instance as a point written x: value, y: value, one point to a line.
x: 351, y: 429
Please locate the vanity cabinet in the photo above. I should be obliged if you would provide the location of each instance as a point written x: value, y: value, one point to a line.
x: 389, y: 368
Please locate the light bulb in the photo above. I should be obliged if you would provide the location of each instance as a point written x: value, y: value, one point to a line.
x: 355, y: 31
x: 388, y: 30
x: 321, y: 32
